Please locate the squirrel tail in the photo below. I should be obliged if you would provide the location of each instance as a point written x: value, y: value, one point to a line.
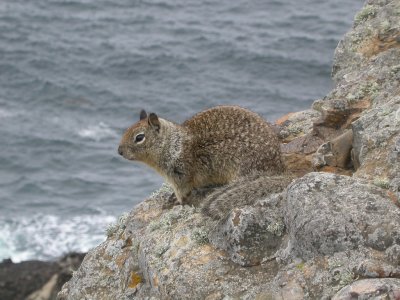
x: 244, y: 191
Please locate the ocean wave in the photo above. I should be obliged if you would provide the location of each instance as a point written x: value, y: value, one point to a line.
x: 50, y: 236
x: 97, y: 132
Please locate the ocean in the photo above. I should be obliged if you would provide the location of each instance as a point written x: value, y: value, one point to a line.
x: 75, y: 73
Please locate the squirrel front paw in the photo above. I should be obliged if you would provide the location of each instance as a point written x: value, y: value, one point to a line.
x: 171, y: 202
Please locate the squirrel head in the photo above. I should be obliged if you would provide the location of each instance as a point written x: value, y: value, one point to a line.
x: 140, y: 141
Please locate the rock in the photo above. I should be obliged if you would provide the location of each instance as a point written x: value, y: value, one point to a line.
x: 47, y: 291
x: 252, y: 234
x: 114, y: 262
x: 379, y: 289
x: 365, y: 99
x: 297, y: 124
x: 376, y: 140
x: 296, y: 133
x: 318, y: 235
x: 335, y: 153
x: 18, y: 280
x: 377, y: 269
x: 346, y: 214
x: 36, y: 280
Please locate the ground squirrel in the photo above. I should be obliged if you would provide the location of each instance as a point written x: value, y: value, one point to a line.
x: 213, y: 148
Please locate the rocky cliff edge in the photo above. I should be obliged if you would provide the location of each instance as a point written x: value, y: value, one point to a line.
x: 332, y: 233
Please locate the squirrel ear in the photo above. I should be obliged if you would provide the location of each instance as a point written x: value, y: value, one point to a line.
x: 143, y: 114
x: 154, y: 121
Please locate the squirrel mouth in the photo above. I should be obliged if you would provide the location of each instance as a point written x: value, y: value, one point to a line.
x: 125, y: 153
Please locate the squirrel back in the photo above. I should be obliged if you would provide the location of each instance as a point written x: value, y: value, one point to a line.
x: 213, y: 148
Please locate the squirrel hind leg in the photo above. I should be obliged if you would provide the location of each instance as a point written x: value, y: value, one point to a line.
x: 193, y: 198
x: 174, y: 200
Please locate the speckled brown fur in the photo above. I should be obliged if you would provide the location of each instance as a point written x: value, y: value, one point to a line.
x: 212, y: 148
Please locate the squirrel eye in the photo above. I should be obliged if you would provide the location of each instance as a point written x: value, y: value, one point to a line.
x: 139, y: 138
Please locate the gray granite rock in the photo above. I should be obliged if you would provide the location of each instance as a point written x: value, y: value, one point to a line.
x: 251, y: 234
x: 376, y: 144
x: 317, y: 236
x: 327, y: 213
x: 377, y: 289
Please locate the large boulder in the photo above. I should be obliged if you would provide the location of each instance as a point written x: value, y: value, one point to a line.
x: 320, y: 234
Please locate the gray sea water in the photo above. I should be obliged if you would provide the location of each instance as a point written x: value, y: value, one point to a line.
x: 75, y: 73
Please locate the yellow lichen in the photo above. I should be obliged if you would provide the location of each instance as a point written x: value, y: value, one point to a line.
x: 135, y: 280
x: 382, y: 182
x: 300, y: 266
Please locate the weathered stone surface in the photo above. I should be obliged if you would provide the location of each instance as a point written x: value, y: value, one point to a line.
x: 365, y: 99
x: 377, y: 289
x: 376, y: 143
x: 113, y: 263
x: 320, y: 234
x: 297, y: 124
x: 335, y: 153
x: 341, y: 219
x: 252, y: 234
x: 17, y: 281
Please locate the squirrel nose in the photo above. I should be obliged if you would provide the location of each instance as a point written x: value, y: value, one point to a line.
x: 120, y: 151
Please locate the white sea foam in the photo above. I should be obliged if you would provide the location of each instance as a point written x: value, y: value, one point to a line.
x: 97, y: 132
x: 49, y: 236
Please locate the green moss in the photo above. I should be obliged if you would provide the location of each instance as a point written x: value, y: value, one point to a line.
x: 200, y: 236
x: 164, y: 190
x: 293, y: 129
x: 276, y: 228
x: 135, y: 246
x: 317, y: 105
x: 118, y: 227
x: 384, y: 26
x: 334, y: 263
x: 111, y: 229
x: 385, y: 112
x: 346, y: 277
x: 395, y: 70
x: 351, y: 97
x: 122, y: 219
x: 369, y: 11
x: 300, y: 266
x: 340, y: 273
x: 159, y: 251
x: 370, y: 88
x: 382, y: 183
x: 169, y: 218
x: 162, y: 224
